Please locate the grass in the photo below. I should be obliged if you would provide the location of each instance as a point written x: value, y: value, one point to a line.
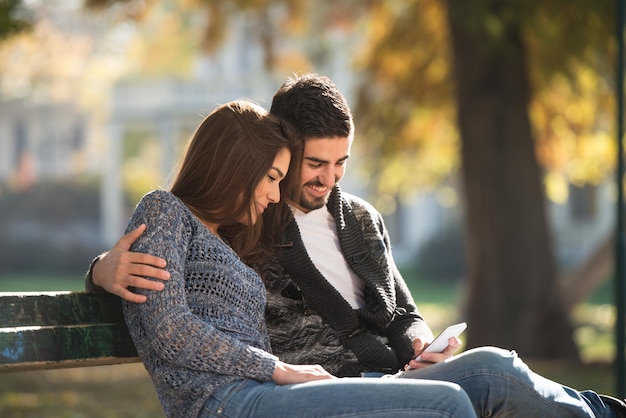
x: 32, y: 283
x: 121, y: 391
x: 126, y: 390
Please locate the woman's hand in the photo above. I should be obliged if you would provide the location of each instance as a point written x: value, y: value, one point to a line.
x: 286, y: 374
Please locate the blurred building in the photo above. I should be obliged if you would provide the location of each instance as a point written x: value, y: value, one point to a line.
x: 41, y: 141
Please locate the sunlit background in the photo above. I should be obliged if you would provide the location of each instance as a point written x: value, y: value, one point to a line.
x: 97, y: 98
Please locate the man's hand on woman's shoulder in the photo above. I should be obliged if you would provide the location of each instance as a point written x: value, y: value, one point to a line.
x: 120, y: 268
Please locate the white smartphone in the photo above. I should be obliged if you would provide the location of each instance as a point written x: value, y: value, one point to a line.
x: 441, y: 341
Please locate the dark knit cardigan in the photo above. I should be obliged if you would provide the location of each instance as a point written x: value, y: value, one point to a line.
x: 309, y: 321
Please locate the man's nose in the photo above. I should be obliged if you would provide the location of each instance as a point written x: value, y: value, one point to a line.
x: 328, y: 176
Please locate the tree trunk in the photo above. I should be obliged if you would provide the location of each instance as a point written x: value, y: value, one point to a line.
x: 514, y: 300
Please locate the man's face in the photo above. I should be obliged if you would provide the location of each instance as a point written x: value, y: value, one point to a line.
x: 322, y: 167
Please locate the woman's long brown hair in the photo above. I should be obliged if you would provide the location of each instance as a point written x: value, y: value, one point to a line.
x: 229, y: 154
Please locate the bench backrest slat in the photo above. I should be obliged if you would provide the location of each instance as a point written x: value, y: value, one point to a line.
x: 59, y: 308
x: 68, y: 329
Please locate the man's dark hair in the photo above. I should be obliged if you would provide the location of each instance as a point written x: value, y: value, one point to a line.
x: 314, y: 106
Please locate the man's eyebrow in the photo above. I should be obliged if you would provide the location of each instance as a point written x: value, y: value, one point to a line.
x: 321, y: 161
x: 279, y: 171
x: 316, y: 160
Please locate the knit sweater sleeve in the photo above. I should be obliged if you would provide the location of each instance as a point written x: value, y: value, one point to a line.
x: 409, y: 324
x: 173, y: 332
x: 90, y: 286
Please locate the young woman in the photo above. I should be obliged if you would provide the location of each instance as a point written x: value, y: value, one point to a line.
x: 203, y: 339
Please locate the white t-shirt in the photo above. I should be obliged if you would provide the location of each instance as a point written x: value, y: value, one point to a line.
x: 319, y: 235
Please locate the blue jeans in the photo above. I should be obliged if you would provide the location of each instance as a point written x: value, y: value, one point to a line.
x: 500, y: 384
x: 346, y: 397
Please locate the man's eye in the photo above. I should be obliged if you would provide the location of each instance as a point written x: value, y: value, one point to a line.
x: 315, y: 165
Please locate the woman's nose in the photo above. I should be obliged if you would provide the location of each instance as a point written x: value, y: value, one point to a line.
x: 274, y: 194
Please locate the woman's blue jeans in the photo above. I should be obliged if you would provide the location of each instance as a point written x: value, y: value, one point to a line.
x: 500, y: 384
x: 346, y: 397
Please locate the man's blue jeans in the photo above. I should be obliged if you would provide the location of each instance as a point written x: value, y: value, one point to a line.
x: 496, y: 382
x: 500, y: 384
x: 347, y: 397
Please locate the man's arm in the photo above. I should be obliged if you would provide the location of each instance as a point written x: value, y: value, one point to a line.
x: 120, y: 268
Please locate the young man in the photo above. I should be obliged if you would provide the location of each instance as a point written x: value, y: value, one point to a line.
x: 335, y: 296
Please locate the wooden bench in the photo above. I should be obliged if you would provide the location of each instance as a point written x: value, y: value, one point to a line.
x: 53, y: 330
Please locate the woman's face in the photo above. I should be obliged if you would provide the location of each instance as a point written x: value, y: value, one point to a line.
x: 267, y: 191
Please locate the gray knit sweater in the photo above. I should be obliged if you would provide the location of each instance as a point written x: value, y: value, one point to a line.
x: 206, y: 329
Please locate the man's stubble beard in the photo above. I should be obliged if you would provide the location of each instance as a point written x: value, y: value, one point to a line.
x: 311, y: 203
